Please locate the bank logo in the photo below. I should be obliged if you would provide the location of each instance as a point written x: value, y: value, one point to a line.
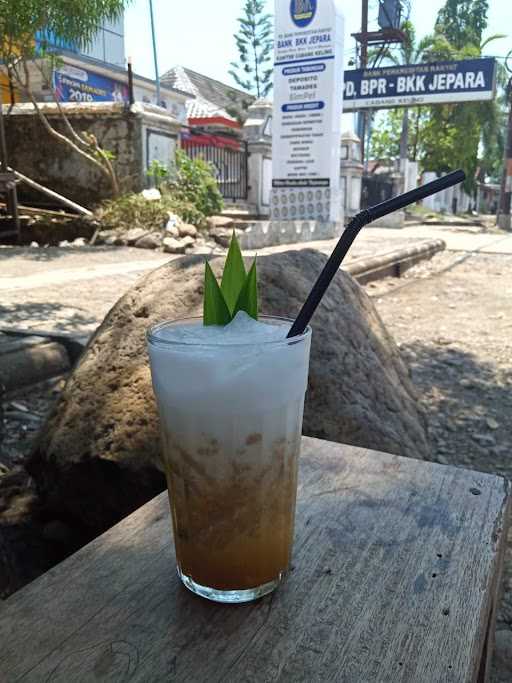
x: 303, y: 12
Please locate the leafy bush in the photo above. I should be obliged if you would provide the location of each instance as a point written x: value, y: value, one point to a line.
x: 157, y: 173
x: 195, y: 183
x: 192, y: 194
x: 133, y: 211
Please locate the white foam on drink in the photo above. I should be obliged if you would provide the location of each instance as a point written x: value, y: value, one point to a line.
x: 222, y: 371
x: 241, y: 330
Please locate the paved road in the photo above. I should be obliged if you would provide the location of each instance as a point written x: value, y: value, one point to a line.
x: 72, y: 289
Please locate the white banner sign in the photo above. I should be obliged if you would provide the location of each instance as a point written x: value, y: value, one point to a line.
x: 306, y: 128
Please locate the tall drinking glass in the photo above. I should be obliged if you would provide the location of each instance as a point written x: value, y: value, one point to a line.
x: 231, y: 423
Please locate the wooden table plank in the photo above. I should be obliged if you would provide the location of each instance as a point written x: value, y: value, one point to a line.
x: 395, y: 570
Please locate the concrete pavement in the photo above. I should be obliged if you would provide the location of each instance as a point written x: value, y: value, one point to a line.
x: 71, y: 289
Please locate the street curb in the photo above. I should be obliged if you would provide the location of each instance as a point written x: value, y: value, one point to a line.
x: 393, y: 263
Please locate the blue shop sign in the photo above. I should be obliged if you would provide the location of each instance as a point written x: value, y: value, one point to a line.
x: 72, y: 84
x: 416, y: 84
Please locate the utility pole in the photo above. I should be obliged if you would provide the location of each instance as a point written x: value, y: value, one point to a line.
x: 131, y: 98
x: 363, y: 65
x: 155, y: 57
x: 504, y: 219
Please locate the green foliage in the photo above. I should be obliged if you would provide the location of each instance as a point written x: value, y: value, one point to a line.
x: 68, y: 22
x: 191, y: 193
x: 248, y: 298
x: 444, y: 137
x: 450, y: 140
x: 254, y: 42
x: 73, y: 21
x: 462, y: 22
x: 195, y: 184
x: 133, y: 211
x: 158, y: 173
x: 385, y: 138
x: 394, y: 129
x: 215, y: 309
x: 233, y: 275
x: 454, y: 135
x: 238, y: 291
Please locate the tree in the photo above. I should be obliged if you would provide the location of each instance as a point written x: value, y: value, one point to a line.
x: 254, y: 43
x: 72, y: 22
x: 449, y: 136
x: 454, y: 134
x: 388, y: 133
x: 462, y: 22
x: 408, y: 52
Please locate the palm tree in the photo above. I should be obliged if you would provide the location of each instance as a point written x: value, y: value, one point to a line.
x: 432, y: 48
x: 489, y: 112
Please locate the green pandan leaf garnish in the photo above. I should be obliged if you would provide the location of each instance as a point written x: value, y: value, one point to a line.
x: 238, y: 290
x: 248, y: 298
x: 215, y: 309
x: 234, y: 274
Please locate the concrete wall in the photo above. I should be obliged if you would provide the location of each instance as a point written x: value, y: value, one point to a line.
x: 445, y: 201
x: 351, y: 172
x: 129, y: 133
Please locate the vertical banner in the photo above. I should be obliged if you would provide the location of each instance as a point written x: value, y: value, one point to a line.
x: 306, y: 126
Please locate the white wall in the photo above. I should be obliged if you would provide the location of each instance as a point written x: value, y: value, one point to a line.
x: 147, y: 94
x: 442, y: 202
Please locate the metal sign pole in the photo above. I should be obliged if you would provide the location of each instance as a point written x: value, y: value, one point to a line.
x: 364, y: 64
x: 155, y: 57
x: 504, y: 219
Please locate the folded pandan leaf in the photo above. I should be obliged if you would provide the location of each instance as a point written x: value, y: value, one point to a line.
x: 238, y: 290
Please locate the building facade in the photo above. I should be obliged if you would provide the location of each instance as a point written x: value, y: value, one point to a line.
x: 95, y: 73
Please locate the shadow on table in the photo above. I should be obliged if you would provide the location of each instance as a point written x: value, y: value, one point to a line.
x: 31, y: 314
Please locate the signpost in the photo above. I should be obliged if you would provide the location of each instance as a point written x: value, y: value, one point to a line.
x: 306, y: 127
x: 420, y: 84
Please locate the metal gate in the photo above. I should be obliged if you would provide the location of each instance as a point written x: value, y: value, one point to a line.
x: 375, y: 189
x: 229, y: 160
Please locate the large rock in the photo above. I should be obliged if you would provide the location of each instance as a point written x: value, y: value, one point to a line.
x: 98, y: 455
x: 187, y: 230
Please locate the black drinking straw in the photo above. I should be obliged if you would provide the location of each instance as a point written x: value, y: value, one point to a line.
x: 359, y: 221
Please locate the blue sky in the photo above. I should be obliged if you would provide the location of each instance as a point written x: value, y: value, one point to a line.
x: 199, y: 33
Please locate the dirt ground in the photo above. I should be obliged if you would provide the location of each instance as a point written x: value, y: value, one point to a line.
x: 452, y: 319
x: 455, y: 330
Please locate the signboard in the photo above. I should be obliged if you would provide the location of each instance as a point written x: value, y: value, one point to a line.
x: 78, y: 85
x: 416, y: 84
x: 306, y: 124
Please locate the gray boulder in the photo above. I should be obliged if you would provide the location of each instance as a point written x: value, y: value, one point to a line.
x: 134, y: 234
x: 152, y: 240
x: 97, y: 457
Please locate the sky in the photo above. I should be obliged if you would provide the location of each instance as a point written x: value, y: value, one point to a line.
x: 198, y: 34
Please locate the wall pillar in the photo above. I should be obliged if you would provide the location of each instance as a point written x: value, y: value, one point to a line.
x: 351, y: 174
x: 257, y: 132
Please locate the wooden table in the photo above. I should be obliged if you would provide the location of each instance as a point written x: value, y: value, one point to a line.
x: 396, y: 573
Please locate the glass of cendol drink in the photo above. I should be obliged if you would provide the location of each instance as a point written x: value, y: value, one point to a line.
x: 230, y: 400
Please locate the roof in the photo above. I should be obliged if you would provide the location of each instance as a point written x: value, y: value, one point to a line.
x: 212, y: 98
